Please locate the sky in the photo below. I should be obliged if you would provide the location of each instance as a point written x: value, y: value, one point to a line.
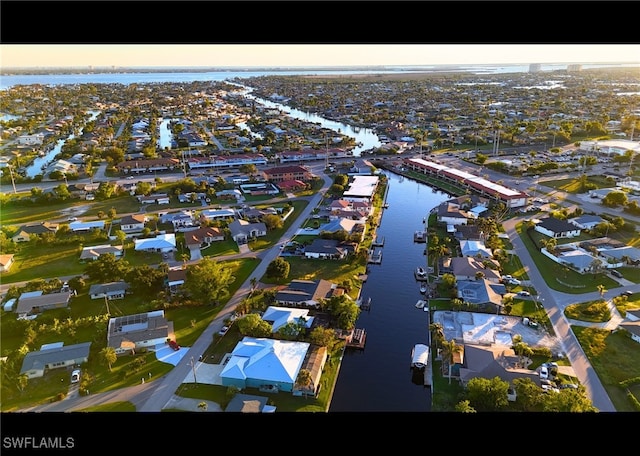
x: 300, y: 55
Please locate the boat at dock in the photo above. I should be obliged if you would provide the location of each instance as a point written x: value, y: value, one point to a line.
x: 421, y: 304
x: 421, y: 273
x: 420, y: 237
x: 423, y: 287
x: 419, y: 356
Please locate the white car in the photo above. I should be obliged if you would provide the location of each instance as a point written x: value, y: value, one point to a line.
x: 544, y: 372
x: 223, y: 331
x: 524, y: 293
x: 75, y: 376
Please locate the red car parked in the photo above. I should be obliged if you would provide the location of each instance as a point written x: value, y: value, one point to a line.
x: 173, y: 344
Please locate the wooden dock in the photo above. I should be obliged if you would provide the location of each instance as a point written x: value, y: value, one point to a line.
x: 357, y: 339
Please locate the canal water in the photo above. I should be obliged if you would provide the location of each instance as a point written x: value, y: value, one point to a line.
x: 379, y: 378
x: 37, y: 166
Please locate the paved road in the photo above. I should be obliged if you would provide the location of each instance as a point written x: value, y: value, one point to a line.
x: 554, y: 303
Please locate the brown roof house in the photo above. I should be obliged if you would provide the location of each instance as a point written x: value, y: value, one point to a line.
x: 202, y: 238
x: 5, y: 262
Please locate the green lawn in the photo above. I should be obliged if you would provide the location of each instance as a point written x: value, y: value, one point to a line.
x: 615, y: 357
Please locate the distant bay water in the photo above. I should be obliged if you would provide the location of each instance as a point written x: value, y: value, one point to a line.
x: 154, y: 76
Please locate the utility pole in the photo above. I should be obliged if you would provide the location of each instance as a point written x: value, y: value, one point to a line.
x: 193, y: 368
x: 13, y: 182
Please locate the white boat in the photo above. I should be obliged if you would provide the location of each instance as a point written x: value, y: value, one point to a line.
x: 419, y: 356
x: 421, y: 303
x: 423, y: 287
x: 421, y: 273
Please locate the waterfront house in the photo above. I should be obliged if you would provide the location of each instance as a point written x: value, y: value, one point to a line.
x: 490, y: 361
x: 306, y: 293
x: 483, y: 293
x: 327, y: 249
x: 267, y: 364
x: 278, y: 317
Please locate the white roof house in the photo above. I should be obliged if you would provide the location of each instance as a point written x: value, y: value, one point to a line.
x: 267, y: 364
x: 161, y: 243
x: 280, y: 316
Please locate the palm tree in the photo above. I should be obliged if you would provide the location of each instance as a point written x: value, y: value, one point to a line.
x: 304, y: 379
x: 602, y: 289
x: 437, y: 251
x: 109, y: 356
x: 449, y: 348
x: 438, y: 333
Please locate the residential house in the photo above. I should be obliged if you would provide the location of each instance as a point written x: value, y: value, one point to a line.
x: 26, y: 232
x: 475, y: 249
x: 483, y: 293
x: 490, y: 361
x: 202, y: 238
x: 133, y: 223
x: 54, y: 356
x: 327, y: 249
x: 35, y: 304
x: 208, y: 215
x: 246, y: 403
x: 267, y: 364
x: 111, y: 290
x: 162, y: 243
x: 94, y: 252
x: 361, y: 188
x: 78, y: 226
x: 586, y: 221
x: 181, y: 219
x: 129, y: 333
x: 242, y: 231
x: 155, y: 198
x: 633, y: 328
x: 451, y: 214
x: 471, y: 268
x: 281, y: 316
x: 556, y: 228
x: 175, y: 279
x: 470, y: 232
x: 349, y: 226
x: 6, y: 261
x: 307, y: 293
x: 351, y: 210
